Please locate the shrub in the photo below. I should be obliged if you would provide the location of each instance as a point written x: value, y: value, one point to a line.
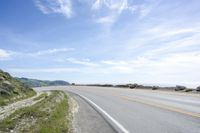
x: 132, y: 86
x: 122, y: 86
x: 4, y: 92
x: 198, y: 88
x: 1, y: 79
x: 155, y: 87
x: 140, y: 86
x: 179, y: 88
x: 188, y: 90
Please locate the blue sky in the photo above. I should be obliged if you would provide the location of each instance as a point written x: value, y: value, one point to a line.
x: 102, y: 41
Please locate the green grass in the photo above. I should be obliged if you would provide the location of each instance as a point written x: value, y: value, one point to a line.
x: 3, y: 101
x: 6, y: 99
x: 57, y: 122
x: 43, y: 95
x: 54, y: 121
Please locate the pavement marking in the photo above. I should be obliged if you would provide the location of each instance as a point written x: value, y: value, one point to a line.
x: 121, y: 127
x: 162, y: 106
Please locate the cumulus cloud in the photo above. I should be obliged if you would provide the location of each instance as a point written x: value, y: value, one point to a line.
x: 63, y: 7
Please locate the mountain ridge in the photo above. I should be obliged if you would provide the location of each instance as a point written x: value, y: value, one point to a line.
x: 39, y: 83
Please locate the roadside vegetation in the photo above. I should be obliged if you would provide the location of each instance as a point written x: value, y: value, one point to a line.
x: 11, y: 90
x: 49, y: 115
x: 43, y: 95
x: 139, y: 86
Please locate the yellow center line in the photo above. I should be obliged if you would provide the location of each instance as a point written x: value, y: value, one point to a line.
x: 162, y: 106
x: 158, y: 105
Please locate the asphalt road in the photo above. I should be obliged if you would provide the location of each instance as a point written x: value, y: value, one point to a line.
x: 143, y: 111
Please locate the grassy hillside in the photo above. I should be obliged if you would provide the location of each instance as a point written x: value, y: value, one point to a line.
x: 12, y: 90
x: 39, y: 83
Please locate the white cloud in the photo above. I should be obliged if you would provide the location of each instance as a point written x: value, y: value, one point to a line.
x: 4, y: 54
x: 182, y: 68
x: 161, y: 31
x: 187, y: 44
x: 111, y: 4
x: 121, y: 69
x: 176, y: 68
x: 106, y: 19
x: 104, y: 11
x: 162, y: 39
x: 109, y: 10
x: 146, y: 9
x: 97, y: 4
x: 114, y: 62
x: 85, y: 62
x: 50, y: 51
x: 63, y: 7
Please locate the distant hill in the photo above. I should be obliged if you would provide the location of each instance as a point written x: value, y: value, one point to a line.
x: 40, y: 83
x: 12, y: 89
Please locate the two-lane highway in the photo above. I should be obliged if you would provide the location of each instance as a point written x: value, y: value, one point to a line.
x: 144, y: 111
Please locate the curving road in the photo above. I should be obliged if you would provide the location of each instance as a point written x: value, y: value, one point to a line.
x: 143, y: 111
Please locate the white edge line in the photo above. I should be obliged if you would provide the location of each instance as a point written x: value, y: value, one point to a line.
x: 121, y: 127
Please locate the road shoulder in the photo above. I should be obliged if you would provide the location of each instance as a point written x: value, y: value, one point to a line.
x: 87, y: 120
